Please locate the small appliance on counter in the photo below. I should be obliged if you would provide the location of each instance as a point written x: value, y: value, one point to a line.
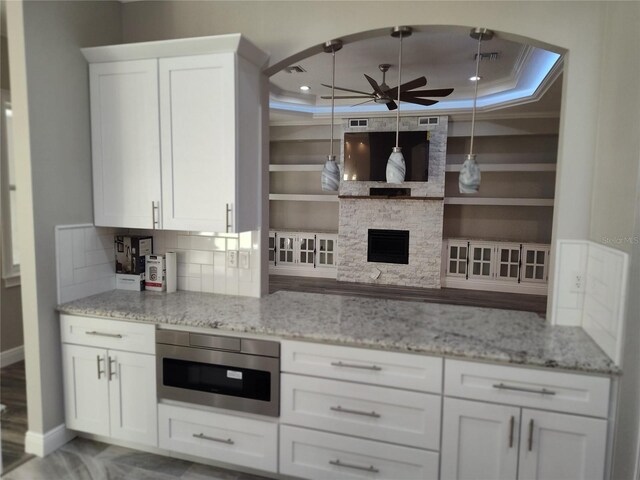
x: 131, y: 251
x: 155, y: 275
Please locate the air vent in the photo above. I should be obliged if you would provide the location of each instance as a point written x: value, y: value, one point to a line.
x: 295, y: 69
x: 359, y: 122
x: 428, y: 120
x: 491, y: 56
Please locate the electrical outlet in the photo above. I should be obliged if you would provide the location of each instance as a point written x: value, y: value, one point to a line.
x: 244, y: 260
x: 578, y: 282
x: 232, y: 259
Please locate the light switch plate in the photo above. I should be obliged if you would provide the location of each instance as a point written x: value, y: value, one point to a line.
x: 232, y: 259
x: 244, y: 260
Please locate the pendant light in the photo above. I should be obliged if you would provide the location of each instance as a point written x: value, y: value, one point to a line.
x: 469, y: 179
x: 330, y: 172
x: 396, y: 168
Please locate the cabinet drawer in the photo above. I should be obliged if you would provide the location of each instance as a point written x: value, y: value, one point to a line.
x: 225, y: 438
x: 390, y: 369
x: 408, y: 418
x: 559, y: 391
x: 318, y: 455
x: 104, y: 333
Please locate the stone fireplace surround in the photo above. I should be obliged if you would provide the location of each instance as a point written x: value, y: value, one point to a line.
x: 421, y: 214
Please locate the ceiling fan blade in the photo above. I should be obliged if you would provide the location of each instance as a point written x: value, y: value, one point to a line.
x: 416, y: 83
x: 442, y: 92
x: 328, y: 97
x: 419, y: 101
x: 362, y: 103
x: 374, y: 84
x: 346, y: 89
x: 392, y: 106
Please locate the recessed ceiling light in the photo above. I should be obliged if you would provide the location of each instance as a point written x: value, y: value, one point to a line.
x: 305, y: 88
x: 475, y: 79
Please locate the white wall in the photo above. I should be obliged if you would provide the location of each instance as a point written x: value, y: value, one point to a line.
x: 50, y: 95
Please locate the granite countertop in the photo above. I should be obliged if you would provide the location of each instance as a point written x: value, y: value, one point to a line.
x: 504, y: 336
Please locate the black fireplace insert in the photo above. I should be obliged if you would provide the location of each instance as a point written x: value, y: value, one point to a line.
x: 388, y: 246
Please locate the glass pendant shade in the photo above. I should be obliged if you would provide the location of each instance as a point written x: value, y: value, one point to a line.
x: 469, y: 179
x: 396, y: 168
x: 330, y: 175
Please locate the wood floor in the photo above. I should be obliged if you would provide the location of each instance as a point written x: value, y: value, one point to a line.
x: 13, y: 394
x: 452, y: 296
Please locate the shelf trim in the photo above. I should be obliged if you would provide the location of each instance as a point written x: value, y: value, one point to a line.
x: 507, y: 167
x: 303, y: 197
x: 516, y: 202
x: 296, y: 168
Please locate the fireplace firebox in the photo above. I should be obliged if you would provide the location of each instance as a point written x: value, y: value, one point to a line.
x: 388, y: 246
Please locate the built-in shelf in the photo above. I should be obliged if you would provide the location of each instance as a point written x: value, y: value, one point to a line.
x: 303, y: 197
x: 516, y: 202
x: 508, y: 167
x: 296, y: 168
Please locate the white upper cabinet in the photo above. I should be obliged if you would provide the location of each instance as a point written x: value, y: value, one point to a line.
x: 126, y: 142
x: 177, y: 134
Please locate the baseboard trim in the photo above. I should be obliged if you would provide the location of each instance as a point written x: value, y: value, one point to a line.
x: 42, y: 444
x: 11, y: 356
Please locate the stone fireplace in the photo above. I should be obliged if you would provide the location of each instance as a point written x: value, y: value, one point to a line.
x: 392, y: 234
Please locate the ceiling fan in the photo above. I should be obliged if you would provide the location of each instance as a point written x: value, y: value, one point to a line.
x: 384, y: 94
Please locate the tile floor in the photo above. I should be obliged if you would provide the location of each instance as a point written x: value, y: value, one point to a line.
x: 83, y: 459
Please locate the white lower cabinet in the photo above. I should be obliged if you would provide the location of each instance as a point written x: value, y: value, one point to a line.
x: 481, y: 440
x: 110, y: 393
x: 214, y: 436
x: 320, y: 455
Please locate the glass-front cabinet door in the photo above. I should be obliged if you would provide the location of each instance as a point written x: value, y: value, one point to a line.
x: 481, y: 260
x: 327, y: 249
x: 306, y: 249
x: 272, y: 248
x: 508, y: 262
x: 286, y: 249
x: 458, y: 258
x: 535, y: 263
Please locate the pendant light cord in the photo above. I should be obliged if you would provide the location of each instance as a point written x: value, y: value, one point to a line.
x: 475, y: 95
x: 399, y: 83
x: 333, y: 84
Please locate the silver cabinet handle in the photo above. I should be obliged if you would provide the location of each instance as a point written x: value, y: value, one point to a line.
x: 531, y: 434
x: 338, y: 463
x: 544, y: 391
x: 512, y: 423
x: 355, y: 412
x: 226, y: 221
x: 102, y: 334
x: 155, y: 207
x: 111, y: 371
x: 352, y: 365
x: 228, y: 441
x: 100, y: 372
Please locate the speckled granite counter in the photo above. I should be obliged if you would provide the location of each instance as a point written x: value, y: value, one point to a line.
x: 504, y: 336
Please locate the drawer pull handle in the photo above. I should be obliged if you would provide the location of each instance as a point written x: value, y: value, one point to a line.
x: 544, y: 391
x: 338, y: 463
x: 228, y: 441
x: 531, y: 434
x: 101, y: 334
x: 511, y: 426
x: 351, y: 365
x: 355, y: 412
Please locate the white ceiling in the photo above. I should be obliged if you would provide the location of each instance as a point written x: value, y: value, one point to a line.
x: 444, y: 55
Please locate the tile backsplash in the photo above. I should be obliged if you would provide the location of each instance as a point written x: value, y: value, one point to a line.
x: 86, y: 264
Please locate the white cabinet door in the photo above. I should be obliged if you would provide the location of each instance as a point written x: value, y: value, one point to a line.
x: 198, y: 125
x: 125, y: 143
x: 479, y: 441
x: 481, y: 260
x: 535, y: 263
x: 326, y: 250
x: 508, y: 262
x: 86, y: 389
x: 458, y: 258
x: 561, y: 447
x: 132, y: 397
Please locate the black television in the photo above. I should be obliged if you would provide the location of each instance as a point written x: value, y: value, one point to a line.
x: 366, y: 155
